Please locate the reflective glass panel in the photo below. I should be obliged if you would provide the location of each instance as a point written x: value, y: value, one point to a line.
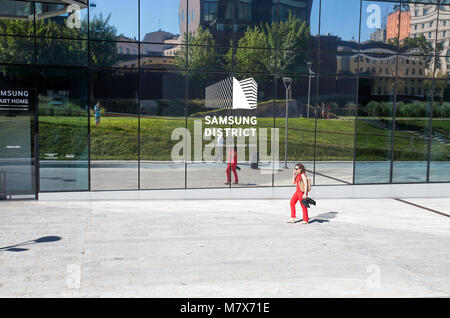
x: 114, y: 109
x: 114, y: 54
x: 440, y: 135
x: 418, y: 28
x: 17, y: 158
x: 62, y: 19
x: 374, y: 130
x: 113, y: 20
x: 17, y: 50
x: 210, y: 98
x: 258, y: 142
x: 296, y: 111
x: 162, y: 125
x: 210, y: 18
x: 61, y: 52
x: 165, y: 21
x: 339, y: 26
x: 335, y: 130
x: 63, y: 129
x: 380, y: 25
x: 412, y: 123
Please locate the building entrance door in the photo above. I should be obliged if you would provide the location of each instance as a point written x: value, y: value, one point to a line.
x: 17, y: 157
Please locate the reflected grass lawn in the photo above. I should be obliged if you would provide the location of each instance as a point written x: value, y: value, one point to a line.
x: 117, y: 138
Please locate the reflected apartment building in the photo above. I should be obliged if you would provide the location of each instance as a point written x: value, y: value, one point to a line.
x: 217, y: 16
x: 426, y: 22
x: 151, y: 54
x: 378, y: 57
x: 417, y: 20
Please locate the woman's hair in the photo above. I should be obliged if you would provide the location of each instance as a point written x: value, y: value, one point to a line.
x: 301, y: 167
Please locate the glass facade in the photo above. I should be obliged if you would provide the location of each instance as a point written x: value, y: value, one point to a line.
x: 143, y: 94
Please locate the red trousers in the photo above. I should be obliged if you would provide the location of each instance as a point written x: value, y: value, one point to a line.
x: 298, y: 196
x: 233, y: 168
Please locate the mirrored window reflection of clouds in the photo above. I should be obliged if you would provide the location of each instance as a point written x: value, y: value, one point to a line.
x: 123, y: 17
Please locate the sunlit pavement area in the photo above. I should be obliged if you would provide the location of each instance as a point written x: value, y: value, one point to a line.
x: 229, y: 248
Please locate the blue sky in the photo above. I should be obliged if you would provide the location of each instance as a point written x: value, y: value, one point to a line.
x: 339, y: 17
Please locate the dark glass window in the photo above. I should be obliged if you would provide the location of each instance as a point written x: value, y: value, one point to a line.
x: 63, y: 129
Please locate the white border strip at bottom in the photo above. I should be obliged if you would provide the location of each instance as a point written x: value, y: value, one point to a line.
x: 427, y: 190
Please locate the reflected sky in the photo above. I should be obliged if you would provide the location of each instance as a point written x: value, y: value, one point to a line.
x: 163, y: 15
x: 155, y: 15
x: 338, y: 18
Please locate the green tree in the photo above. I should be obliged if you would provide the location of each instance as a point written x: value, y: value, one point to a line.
x: 16, y: 27
x: 287, y: 39
x: 252, y: 53
x: 102, y: 53
x: 58, y: 50
x: 201, y: 54
x: 293, y: 38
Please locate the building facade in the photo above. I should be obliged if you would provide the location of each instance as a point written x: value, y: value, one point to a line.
x: 356, y: 90
x: 398, y: 25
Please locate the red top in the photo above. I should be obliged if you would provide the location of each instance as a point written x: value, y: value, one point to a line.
x: 298, y: 179
x: 232, y: 157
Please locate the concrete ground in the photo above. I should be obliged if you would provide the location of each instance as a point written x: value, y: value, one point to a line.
x: 235, y: 248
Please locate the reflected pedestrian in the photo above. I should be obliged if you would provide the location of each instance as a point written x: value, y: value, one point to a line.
x: 299, y: 178
x: 97, y: 110
x: 232, y: 164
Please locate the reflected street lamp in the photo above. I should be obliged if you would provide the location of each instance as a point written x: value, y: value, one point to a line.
x: 287, y: 84
x: 311, y: 73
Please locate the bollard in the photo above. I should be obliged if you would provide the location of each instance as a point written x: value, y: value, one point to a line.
x: 254, y: 160
x: 2, y: 185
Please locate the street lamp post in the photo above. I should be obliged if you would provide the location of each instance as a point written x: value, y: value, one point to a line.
x: 287, y: 84
x: 309, y: 86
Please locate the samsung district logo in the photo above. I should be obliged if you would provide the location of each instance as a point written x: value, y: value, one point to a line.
x: 232, y: 94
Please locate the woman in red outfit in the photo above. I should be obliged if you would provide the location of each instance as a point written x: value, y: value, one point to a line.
x: 232, y: 164
x: 299, y: 178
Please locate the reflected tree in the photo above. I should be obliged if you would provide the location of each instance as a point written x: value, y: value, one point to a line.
x: 201, y: 54
x: 101, y: 53
x: 293, y: 37
x: 18, y: 49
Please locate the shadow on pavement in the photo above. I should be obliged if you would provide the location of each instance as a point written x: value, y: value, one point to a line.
x: 324, y: 217
x: 45, y: 239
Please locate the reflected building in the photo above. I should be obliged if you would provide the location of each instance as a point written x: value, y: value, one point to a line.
x: 423, y: 21
x: 379, y: 35
x: 21, y: 10
x: 398, y: 24
x: 427, y: 22
x: 158, y: 49
x: 217, y: 15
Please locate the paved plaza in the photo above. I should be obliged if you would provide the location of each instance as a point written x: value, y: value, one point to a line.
x: 228, y: 248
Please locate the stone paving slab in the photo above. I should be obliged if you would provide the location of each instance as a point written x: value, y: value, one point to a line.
x: 228, y: 248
